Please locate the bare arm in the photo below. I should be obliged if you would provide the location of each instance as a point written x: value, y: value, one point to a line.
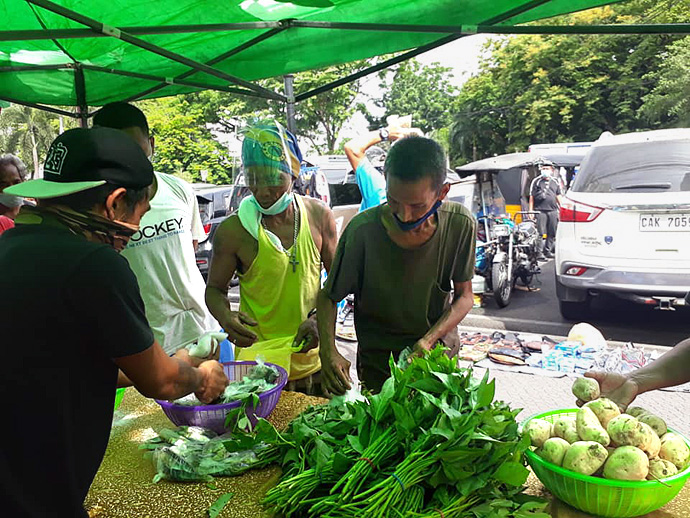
x: 195, y: 244
x: 461, y: 306
x: 531, y: 203
x: 335, y: 369
x: 355, y: 148
x: 329, y: 236
x: 157, y: 375
x: 223, y: 267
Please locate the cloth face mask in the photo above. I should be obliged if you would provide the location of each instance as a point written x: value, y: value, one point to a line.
x: 10, y: 201
x: 279, y: 206
x: 407, y: 226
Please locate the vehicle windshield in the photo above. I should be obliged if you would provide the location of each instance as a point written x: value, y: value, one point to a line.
x: 662, y: 166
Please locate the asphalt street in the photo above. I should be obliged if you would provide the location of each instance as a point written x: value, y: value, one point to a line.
x: 618, y: 320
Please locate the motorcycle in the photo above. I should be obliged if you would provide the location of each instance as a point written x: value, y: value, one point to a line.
x: 509, y: 254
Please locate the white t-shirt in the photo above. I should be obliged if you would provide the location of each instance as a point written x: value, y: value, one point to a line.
x: 161, y: 254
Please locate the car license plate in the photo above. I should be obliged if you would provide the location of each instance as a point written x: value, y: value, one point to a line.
x: 665, y: 222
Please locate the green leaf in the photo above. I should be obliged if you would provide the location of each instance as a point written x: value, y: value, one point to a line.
x: 484, y: 394
x: 355, y: 443
x: 323, y: 453
x: 429, y: 385
x: 512, y: 473
x: 218, y: 505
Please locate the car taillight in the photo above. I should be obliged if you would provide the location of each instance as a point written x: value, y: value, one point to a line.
x: 576, y: 212
x: 575, y: 271
x: 207, y: 228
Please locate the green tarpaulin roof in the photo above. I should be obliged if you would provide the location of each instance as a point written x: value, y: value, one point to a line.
x: 90, y: 52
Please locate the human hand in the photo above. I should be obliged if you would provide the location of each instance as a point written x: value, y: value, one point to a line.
x: 307, y: 334
x: 335, y: 374
x: 398, y: 132
x: 422, y: 346
x: 618, y: 388
x: 214, y: 381
x: 236, y: 328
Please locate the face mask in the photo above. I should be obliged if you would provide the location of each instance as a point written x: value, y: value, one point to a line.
x: 279, y: 206
x: 10, y: 201
x: 545, y: 172
x: 407, y: 226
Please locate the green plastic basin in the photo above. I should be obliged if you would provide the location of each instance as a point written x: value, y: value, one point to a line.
x: 601, y: 496
x: 119, y: 394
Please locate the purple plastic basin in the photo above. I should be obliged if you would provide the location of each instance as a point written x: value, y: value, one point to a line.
x: 213, y: 416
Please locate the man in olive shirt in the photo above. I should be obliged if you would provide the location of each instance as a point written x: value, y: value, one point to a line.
x: 400, y: 260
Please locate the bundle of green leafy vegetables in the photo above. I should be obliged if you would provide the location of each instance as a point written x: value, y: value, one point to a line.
x: 432, y: 443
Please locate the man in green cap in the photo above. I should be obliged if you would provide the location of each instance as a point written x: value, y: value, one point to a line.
x: 75, y: 317
x: 277, y: 243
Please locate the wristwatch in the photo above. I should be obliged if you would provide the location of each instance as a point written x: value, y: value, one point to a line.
x: 384, y: 134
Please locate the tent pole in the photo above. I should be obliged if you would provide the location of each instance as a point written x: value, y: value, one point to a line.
x: 217, y: 59
x: 288, y: 81
x: 39, y: 106
x: 138, y: 42
x: 80, y: 89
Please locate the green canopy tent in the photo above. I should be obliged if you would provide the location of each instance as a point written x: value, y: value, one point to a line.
x: 91, y: 52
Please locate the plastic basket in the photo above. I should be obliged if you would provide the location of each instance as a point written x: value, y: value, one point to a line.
x: 600, y: 496
x: 213, y: 416
x: 119, y: 394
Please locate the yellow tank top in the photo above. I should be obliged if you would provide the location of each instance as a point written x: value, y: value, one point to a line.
x: 280, y: 299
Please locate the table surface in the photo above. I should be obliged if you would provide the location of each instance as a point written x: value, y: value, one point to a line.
x: 123, y: 487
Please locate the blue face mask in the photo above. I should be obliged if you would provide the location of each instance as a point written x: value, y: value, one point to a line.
x: 279, y: 206
x: 411, y: 225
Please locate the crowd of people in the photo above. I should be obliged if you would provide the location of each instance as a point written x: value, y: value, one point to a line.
x: 106, y: 293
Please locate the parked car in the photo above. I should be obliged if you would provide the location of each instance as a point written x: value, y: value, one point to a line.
x: 625, y: 223
x: 215, y: 203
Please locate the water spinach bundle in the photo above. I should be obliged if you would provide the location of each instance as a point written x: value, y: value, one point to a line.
x: 432, y: 443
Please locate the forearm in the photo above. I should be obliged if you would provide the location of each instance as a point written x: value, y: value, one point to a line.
x: 326, y: 312
x: 452, y: 317
x: 669, y: 370
x: 185, y: 380
x: 218, y: 305
x: 355, y: 148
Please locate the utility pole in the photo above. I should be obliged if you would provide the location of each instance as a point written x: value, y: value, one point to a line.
x: 290, y: 105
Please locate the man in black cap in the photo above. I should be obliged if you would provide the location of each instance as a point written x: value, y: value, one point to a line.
x: 75, y: 318
x: 545, y: 198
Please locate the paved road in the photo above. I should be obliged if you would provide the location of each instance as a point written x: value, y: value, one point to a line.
x: 618, y: 320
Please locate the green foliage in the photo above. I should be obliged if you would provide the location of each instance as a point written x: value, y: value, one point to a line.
x: 411, y: 88
x: 28, y: 133
x: 184, y: 144
x: 669, y: 101
x: 534, y: 89
x: 433, y: 441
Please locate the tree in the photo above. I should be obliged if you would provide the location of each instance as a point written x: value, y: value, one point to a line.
x: 27, y: 133
x: 425, y: 92
x: 184, y: 144
x: 534, y: 89
x: 669, y: 101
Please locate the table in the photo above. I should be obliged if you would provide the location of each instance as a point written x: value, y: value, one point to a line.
x: 123, y: 487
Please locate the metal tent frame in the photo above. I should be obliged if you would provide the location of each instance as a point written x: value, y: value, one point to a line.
x: 96, y: 29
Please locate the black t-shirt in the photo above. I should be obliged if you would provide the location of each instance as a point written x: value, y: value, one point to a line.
x: 545, y: 191
x: 67, y: 306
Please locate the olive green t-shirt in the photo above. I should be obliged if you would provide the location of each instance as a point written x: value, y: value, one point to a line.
x: 399, y: 293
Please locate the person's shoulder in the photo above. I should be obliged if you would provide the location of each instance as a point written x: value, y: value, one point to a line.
x: 364, y: 220
x: 181, y: 188
x: 456, y: 211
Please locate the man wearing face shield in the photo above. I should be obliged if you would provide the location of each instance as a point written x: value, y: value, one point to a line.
x: 75, y: 317
x: 12, y: 172
x: 277, y: 243
x: 400, y: 260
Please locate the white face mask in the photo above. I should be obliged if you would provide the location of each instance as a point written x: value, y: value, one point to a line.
x: 10, y: 201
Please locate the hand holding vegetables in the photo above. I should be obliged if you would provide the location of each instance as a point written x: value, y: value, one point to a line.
x: 213, y: 382
x: 616, y: 387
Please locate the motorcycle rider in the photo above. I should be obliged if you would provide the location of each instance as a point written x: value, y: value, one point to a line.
x: 545, y: 198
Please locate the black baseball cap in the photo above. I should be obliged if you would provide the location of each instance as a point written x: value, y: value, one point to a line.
x: 82, y: 159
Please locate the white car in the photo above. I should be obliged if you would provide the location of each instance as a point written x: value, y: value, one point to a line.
x: 625, y: 223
